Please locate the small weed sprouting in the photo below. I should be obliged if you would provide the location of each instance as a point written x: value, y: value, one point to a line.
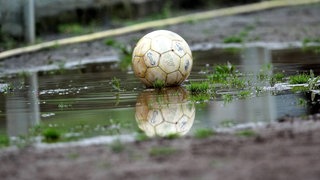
x: 302, y: 102
x: 197, y: 88
x: 299, y: 79
x: 241, y: 36
x: 200, y: 97
x: 246, y: 133
x: 51, y: 135
x: 236, y: 82
x: 227, y: 98
x: 141, y: 136
x: 276, y: 78
x: 161, y: 151
x: 313, y: 81
x: 225, y: 69
x: 244, y: 94
x: 117, y: 146
x: 158, y: 84
x: 4, y: 141
x: 297, y: 89
x: 172, y: 136
x: 222, y: 73
x: 115, y: 82
x: 233, y: 39
x: 203, y: 133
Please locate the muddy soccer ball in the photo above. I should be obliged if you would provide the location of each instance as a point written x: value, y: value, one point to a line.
x: 162, y: 57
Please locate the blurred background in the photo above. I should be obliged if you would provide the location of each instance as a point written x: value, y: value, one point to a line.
x: 32, y: 21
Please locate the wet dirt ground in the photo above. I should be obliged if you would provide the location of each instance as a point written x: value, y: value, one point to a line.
x: 289, y: 24
x: 288, y: 149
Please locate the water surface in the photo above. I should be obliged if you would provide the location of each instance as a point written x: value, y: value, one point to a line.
x: 82, y: 102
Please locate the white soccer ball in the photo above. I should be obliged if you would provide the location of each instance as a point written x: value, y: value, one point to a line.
x: 162, y: 56
x: 161, y: 113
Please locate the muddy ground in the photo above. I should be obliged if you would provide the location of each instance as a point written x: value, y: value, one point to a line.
x: 277, y: 25
x: 288, y: 149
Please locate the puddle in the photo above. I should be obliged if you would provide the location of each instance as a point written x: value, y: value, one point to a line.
x: 82, y: 103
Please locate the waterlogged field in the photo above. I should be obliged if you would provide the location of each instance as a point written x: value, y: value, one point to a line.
x: 228, y: 89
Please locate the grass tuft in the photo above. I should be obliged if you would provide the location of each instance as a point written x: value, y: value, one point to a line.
x: 159, y: 84
x: 299, y: 79
x: 115, y: 83
x: 51, y: 135
x: 197, y: 88
x: 4, y: 141
x: 203, y: 133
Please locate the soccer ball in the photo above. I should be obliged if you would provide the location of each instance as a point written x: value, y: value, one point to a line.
x: 165, y: 112
x: 162, y: 56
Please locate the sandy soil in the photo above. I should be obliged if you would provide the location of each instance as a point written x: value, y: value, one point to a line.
x: 286, y: 150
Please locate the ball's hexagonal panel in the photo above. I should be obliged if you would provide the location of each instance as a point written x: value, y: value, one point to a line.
x: 146, y: 82
x: 186, y: 47
x: 174, y: 78
x: 185, y: 65
x: 154, y: 74
x: 184, y: 124
x: 151, y: 58
x: 161, y: 44
x: 165, y: 128
x: 169, y: 62
x: 139, y: 67
x: 172, y: 113
x: 142, y: 47
x: 149, y: 130
x: 169, y: 34
x: 155, y: 117
x: 178, y: 48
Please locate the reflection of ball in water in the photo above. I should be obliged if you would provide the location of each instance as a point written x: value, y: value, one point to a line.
x: 160, y: 113
x: 164, y: 56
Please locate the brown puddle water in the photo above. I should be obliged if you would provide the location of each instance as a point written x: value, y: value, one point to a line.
x: 82, y: 102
